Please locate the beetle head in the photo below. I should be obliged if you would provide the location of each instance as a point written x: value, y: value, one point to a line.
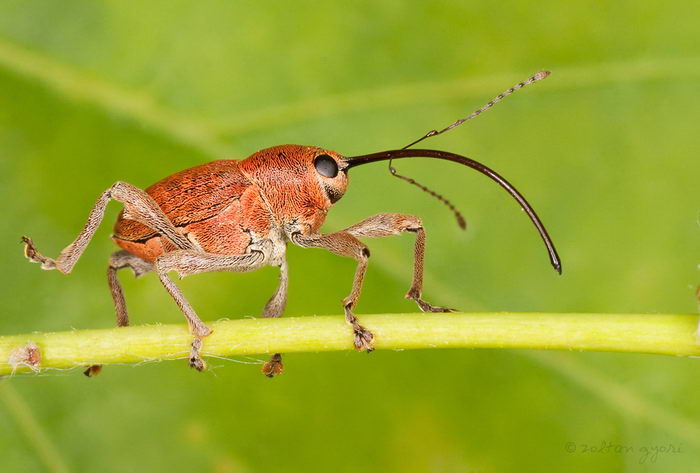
x: 298, y: 182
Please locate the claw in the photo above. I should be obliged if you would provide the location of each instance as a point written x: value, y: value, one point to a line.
x: 424, y: 305
x: 195, y: 359
x: 92, y: 370
x: 428, y: 307
x: 33, y: 255
x: 273, y: 367
x: 363, y: 339
x: 197, y: 363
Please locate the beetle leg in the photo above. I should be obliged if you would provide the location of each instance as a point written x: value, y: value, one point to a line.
x: 274, y: 308
x: 138, y: 205
x: 344, y: 244
x: 387, y: 224
x: 120, y: 260
x: 186, y: 262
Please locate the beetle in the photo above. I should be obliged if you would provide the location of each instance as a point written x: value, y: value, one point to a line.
x: 238, y: 216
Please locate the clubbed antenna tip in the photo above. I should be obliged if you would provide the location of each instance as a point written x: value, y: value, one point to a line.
x: 460, y: 219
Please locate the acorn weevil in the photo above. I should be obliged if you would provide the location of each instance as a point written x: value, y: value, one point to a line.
x: 238, y: 216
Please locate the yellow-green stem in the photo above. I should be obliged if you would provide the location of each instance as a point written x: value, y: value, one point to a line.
x: 633, y: 333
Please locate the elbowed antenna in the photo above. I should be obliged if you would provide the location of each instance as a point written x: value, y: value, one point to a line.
x: 534, y: 78
x: 431, y: 153
x: 460, y: 219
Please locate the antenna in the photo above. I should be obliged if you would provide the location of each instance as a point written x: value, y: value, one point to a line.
x: 460, y: 219
x: 539, y: 76
x: 458, y: 215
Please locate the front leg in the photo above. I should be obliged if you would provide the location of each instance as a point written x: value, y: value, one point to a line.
x: 344, y: 244
x: 388, y: 224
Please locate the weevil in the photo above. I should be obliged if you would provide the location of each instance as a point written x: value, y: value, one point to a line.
x: 238, y: 216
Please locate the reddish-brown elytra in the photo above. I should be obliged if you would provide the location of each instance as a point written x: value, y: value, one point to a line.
x: 238, y: 216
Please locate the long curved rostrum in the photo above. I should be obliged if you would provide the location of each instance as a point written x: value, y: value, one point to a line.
x: 432, y: 153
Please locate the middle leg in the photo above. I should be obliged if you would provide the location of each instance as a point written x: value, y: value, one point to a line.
x: 186, y: 262
x: 274, y: 308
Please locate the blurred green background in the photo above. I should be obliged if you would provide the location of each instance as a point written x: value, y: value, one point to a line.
x: 606, y: 150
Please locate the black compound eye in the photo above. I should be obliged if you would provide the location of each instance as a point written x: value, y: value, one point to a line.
x: 326, y: 166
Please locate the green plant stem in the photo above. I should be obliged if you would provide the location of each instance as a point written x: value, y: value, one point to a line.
x: 632, y: 333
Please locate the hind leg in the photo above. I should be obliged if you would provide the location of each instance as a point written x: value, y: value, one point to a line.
x: 138, y: 205
x: 120, y: 260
